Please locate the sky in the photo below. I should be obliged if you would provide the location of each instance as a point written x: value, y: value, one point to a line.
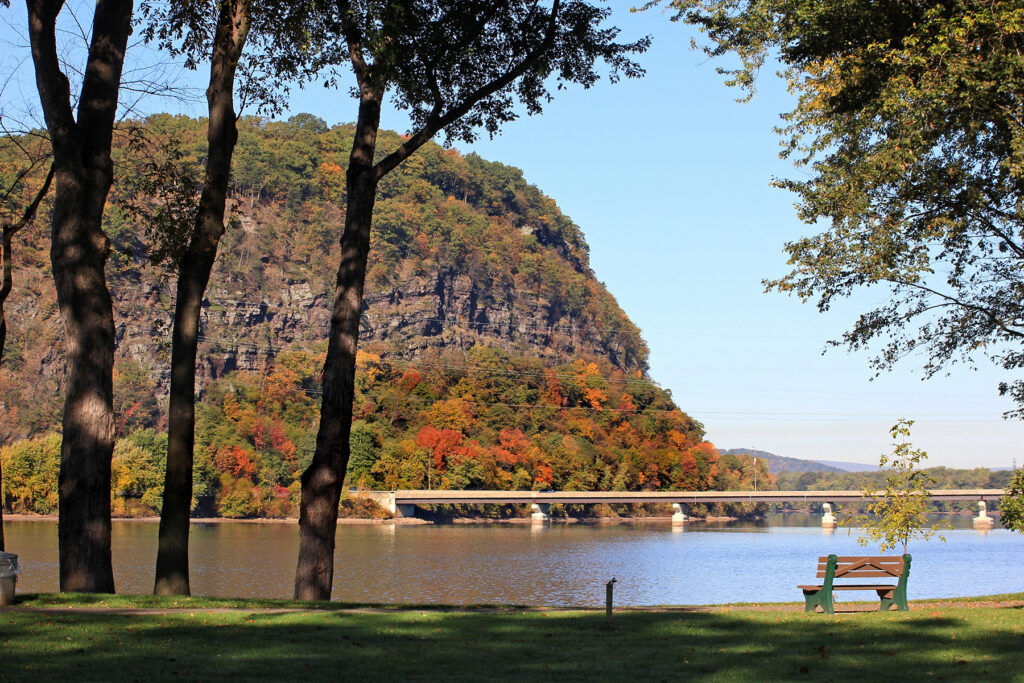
x: 669, y: 179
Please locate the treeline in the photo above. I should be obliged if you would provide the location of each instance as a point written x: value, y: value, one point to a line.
x: 940, y: 477
x: 486, y: 419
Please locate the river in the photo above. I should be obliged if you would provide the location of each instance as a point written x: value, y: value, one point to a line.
x: 555, y: 565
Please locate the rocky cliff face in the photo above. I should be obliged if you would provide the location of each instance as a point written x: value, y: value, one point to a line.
x: 243, y: 330
x: 498, y: 267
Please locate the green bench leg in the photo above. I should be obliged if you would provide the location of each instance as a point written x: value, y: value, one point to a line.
x: 819, y: 598
x: 895, y: 597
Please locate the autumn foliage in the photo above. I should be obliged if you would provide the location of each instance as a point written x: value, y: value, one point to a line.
x: 486, y: 419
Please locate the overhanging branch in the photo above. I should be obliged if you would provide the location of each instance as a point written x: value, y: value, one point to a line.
x: 436, y: 123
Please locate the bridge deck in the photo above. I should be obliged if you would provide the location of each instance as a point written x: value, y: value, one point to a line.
x: 410, y: 497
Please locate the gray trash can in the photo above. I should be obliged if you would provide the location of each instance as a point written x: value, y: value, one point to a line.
x: 9, y: 570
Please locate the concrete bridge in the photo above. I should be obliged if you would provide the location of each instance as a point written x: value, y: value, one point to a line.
x: 403, y: 503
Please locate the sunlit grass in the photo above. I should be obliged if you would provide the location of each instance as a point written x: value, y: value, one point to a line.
x: 202, y: 638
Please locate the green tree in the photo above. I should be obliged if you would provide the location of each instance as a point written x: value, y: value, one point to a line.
x: 455, y: 66
x: 908, y: 125
x: 137, y: 476
x: 1011, y: 505
x: 30, y: 468
x: 898, y: 511
x: 365, y: 450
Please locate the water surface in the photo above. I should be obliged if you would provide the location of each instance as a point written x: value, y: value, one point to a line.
x: 556, y: 564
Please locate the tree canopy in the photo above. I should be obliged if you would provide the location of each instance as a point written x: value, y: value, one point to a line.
x: 1011, y: 506
x: 908, y: 125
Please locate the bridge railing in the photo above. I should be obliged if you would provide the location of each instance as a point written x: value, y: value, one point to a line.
x: 403, y: 502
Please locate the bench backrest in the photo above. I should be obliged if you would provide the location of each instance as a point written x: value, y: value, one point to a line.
x: 863, y: 567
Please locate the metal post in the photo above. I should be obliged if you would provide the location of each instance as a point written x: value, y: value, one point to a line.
x: 609, y: 587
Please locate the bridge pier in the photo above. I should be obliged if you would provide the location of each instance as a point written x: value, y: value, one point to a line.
x: 828, y: 520
x: 679, y: 514
x: 540, y: 512
x: 983, y: 521
x: 404, y: 510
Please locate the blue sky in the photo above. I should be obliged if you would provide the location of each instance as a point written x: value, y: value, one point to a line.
x: 669, y: 179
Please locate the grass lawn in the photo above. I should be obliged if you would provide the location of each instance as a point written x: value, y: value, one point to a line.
x: 204, y: 639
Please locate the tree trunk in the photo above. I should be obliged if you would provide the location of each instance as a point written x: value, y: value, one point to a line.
x: 172, y: 576
x: 323, y: 479
x: 5, y: 290
x: 78, y: 254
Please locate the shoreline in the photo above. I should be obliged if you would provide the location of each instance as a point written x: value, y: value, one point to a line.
x: 357, y: 521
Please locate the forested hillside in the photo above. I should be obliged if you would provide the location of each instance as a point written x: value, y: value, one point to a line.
x: 491, y: 356
x: 778, y: 464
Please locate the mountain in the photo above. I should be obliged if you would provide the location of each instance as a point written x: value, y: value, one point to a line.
x: 465, y: 253
x: 779, y: 463
x: 848, y: 466
x: 490, y: 355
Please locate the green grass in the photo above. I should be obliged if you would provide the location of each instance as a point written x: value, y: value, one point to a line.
x: 202, y: 641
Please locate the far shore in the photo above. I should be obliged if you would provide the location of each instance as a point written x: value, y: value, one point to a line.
x: 356, y: 521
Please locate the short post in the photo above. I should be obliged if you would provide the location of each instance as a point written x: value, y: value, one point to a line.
x: 828, y: 520
x: 679, y: 514
x: 983, y: 522
x: 608, y: 588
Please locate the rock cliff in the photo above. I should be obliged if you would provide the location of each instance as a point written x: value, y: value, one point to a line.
x: 465, y: 253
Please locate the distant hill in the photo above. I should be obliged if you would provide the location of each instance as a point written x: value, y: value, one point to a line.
x: 779, y: 463
x: 848, y: 466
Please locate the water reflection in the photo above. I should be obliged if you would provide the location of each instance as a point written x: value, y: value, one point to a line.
x: 551, y: 564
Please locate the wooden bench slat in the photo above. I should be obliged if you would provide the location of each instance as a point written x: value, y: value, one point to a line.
x: 862, y: 574
x: 895, y: 566
x: 852, y: 586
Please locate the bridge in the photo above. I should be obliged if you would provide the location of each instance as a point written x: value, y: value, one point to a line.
x: 402, y: 503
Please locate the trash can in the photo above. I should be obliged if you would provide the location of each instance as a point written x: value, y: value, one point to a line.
x: 9, y: 570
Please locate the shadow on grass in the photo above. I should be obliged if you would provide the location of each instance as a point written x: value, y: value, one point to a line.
x: 429, y: 645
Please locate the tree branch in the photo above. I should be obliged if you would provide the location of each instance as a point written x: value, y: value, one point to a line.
x: 54, y: 87
x: 10, y: 229
x: 994, y: 319
x: 354, y: 41
x: 436, y: 123
x: 97, y: 107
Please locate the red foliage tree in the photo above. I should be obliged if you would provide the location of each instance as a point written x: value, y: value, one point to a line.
x: 234, y: 460
x: 442, y: 443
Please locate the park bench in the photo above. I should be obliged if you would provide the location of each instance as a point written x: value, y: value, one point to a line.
x: 833, y: 568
